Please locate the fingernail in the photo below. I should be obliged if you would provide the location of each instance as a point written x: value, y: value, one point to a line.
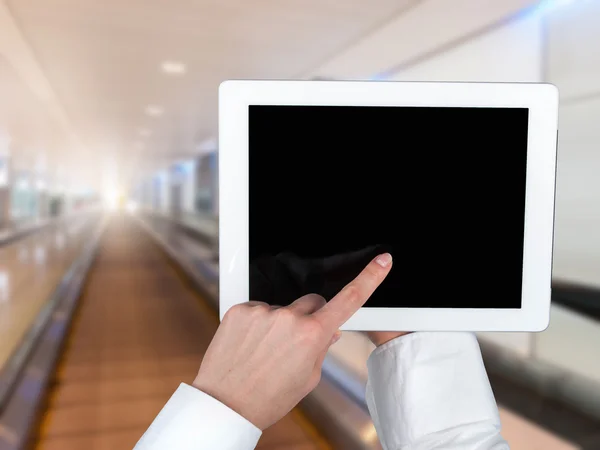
x: 384, y: 260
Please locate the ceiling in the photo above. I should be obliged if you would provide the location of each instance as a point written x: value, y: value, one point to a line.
x: 102, y: 60
x: 80, y: 74
x: 429, y: 28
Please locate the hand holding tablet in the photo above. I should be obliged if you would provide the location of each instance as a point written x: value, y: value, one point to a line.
x: 289, y: 343
x: 457, y: 178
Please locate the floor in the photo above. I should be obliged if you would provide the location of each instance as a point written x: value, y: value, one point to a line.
x: 120, y: 368
x: 30, y: 270
x: 140, y: 331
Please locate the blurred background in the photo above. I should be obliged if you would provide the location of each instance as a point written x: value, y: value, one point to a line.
x: 109, y: 202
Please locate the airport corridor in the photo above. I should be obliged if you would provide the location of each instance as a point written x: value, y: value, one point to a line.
x: 139, y: 331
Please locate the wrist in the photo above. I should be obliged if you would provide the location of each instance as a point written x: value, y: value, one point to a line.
x: 232, y: 400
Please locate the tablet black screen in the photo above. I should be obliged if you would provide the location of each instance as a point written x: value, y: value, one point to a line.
x: 441, y: 189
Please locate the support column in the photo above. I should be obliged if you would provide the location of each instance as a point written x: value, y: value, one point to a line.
x: 5, y: 192
x: 4, y: 208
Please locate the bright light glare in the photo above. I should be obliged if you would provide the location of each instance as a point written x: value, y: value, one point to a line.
x: 59, y: 241
x: 40, y: 255
x: 369, y: 434
x: 23, y: 184
x: 546, y: 6
x: 111, y: 198
x: 131, y: 206
x: 154, y: 110
x: 173, y: 67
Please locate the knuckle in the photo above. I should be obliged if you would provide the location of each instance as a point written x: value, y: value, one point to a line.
x: 319, y: 300
x: 322, y: 303
x: 285, y: 314
x: 260, y: 310
x: 234, y: 312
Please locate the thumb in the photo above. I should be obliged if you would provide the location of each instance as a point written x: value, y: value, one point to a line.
x: 336, y: 337
x: 316, y: 376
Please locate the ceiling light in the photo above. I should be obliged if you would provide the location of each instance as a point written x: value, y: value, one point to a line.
x: 173, y: 67
x: 145, y: 132
x: 154, y: 110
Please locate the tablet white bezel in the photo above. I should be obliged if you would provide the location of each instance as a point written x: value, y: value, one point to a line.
x: 540, y: 99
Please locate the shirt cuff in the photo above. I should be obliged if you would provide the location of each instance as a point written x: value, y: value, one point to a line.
x: 193, y: 420
x: 426, y: 382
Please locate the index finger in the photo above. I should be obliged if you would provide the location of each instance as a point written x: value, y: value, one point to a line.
x: 355, y: 294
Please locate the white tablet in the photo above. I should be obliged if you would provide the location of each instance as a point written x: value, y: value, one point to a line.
x: 455, y: 180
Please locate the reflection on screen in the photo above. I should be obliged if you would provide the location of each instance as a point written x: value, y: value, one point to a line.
x: 441, y: 189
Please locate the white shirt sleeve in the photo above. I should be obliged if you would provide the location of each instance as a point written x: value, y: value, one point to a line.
x: 430, y: 391
x: 193, y: 420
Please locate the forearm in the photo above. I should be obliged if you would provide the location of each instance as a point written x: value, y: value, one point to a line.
x: 430, y: 391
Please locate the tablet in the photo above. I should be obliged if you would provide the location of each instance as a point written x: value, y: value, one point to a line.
x: 455, y: 180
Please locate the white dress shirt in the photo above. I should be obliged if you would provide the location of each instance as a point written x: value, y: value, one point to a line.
x: 425, y: 391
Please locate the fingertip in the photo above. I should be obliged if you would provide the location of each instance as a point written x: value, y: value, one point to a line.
x: 384, y: 260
